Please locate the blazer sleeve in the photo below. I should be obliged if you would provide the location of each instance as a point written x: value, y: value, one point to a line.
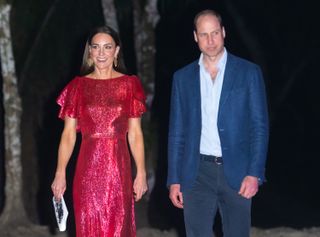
x: 176, y: 138
x: 259, y: 125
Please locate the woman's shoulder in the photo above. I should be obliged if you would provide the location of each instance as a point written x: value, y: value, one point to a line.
x: 73, y: 83
x: 75, y: 79
x: 132, y: 78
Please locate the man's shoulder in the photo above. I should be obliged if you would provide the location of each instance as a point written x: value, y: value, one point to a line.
x: 191, y: 67
x: 242, y: 62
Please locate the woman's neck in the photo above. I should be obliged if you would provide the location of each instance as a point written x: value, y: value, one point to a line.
x: 103, y: 74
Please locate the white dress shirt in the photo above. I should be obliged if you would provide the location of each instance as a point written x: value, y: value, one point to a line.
x: 210, y: 96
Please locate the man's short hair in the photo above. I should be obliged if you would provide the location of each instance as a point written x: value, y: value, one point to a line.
x: 204, y: 13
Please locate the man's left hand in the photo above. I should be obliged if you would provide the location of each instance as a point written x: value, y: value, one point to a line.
x: 249, y: 187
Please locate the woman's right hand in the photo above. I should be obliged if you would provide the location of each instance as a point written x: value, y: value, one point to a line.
x: 58, y: 186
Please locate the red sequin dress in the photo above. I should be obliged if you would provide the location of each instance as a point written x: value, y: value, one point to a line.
x: 102, y: 186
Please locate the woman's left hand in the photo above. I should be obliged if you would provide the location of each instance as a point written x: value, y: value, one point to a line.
x: 140, y: 187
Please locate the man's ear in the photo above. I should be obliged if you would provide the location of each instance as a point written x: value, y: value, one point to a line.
x: 195, y: 36
x: 223, y: 32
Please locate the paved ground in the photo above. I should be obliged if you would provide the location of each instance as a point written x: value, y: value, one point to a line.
x: 144, y: 230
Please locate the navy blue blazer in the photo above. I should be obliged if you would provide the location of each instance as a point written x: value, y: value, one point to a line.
x: 242, y: 123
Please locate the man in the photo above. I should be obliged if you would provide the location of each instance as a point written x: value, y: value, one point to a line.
x: 218, y: 135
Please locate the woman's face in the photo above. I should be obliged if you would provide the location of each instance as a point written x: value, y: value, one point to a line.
x: 103, y: 51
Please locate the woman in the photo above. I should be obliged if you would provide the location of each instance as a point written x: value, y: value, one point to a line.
x: 105, y: 105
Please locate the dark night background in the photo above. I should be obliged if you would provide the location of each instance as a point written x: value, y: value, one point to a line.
x: 281, y: 36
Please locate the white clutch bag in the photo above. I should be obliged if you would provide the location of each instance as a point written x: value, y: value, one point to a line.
x: 61, y: 213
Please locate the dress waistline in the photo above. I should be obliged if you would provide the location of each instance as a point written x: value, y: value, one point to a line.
x: 104, y: 135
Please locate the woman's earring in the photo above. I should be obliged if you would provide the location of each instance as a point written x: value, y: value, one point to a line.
x: 115, y: 62
x: 90, y: 62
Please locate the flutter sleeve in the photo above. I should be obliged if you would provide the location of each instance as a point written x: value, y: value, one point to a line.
x: 69, y: 101
x: 138, y: 100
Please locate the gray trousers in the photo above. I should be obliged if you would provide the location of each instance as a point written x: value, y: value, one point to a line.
x: 211, y: 193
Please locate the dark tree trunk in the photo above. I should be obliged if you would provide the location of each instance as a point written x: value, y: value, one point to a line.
x: 110, y: 14
x: 14, y: 211
x: 13, y: 220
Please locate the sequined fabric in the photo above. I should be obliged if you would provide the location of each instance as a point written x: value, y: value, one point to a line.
x: 102, y: 186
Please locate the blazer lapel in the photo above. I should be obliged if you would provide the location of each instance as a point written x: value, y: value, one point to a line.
x: 194, y: 87
x: 229, y: 77
x: 197, y: 91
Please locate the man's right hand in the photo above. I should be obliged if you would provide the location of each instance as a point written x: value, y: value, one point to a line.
x: 176, y: 196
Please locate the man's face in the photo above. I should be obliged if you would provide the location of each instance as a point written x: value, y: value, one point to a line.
x: 209, y: 36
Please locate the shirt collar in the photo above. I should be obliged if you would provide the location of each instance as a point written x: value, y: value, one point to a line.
x: 221, y: 63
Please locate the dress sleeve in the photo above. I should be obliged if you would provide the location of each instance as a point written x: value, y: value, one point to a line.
x: 138, y: 100
x: 69, y: 101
